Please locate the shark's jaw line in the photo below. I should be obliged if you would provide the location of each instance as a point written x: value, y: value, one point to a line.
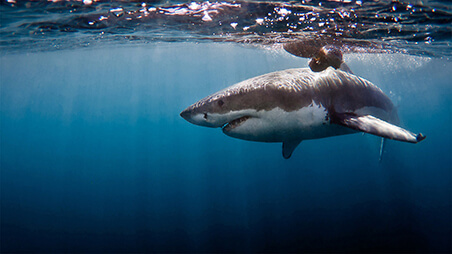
x: 235, y: 123
x: 225, y: 121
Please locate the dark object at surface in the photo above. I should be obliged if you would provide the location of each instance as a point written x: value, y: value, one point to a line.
x: 326, y: 57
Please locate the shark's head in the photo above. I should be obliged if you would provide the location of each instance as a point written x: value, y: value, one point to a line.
x: 254, y: 109
x: 218, y: 110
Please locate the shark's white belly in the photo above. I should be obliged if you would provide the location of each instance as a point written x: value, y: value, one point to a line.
x: 277, y: 125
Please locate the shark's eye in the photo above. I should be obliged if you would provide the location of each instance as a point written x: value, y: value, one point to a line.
x: 220, y: 103
x: 205, y: 116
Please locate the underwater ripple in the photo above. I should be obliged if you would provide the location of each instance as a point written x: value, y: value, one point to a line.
x: 396, y: 26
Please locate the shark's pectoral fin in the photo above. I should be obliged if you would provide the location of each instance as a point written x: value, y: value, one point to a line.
x: 375, y: 126
x: 288, y: 147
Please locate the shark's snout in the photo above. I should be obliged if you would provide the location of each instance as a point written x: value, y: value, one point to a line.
x: 213, y: 119
x: 186, y: 114
x: 191, y: 115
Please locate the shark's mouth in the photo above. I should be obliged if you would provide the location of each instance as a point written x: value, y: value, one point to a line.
x: 235, y: 123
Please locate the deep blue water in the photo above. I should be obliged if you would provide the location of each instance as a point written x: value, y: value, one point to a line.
x: 95, y: 158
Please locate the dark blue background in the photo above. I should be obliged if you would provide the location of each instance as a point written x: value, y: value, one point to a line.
x: 95, y: 158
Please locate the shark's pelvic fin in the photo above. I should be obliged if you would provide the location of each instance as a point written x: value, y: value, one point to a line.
x: 288, y: 147
x: 375, y: 126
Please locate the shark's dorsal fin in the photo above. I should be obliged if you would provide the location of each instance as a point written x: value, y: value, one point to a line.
x: 375, y: 126
x: 288, y: 147
x: 344, y: 67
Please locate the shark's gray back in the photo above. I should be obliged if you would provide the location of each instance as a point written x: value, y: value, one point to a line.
x: 293, y: 89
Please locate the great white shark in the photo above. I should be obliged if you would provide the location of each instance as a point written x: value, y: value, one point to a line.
x: 293, y: 105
